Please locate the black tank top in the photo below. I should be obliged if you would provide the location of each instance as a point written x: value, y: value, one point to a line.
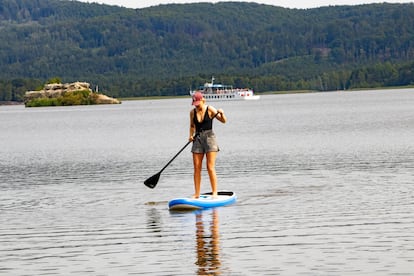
x: 206, y: 124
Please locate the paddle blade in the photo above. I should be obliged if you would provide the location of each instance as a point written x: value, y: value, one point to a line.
x: 152, y: 181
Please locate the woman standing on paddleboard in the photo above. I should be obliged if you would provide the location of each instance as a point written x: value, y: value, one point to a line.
x: 204, y: 140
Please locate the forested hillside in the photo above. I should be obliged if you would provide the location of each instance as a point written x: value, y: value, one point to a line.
x: 167, y: 49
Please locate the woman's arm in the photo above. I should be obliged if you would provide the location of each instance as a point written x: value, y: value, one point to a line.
x: 220, y: 114
x: 192, y: 126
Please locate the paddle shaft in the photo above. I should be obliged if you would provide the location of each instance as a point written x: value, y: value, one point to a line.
x: 175, y: 156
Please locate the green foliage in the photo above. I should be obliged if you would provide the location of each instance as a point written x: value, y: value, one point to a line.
x: 167, y: 49
x: 54, y: 80
x: 81, y: 97
x: 76, y: 98
x: 14, y: 90
x: 42, y: 102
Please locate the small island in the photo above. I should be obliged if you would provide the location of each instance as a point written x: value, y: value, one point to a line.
x: 58, y: 94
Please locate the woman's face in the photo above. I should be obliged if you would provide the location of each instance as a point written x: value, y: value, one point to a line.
x: 201, y: 104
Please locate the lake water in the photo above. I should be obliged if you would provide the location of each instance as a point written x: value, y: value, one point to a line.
x: 325, y: 185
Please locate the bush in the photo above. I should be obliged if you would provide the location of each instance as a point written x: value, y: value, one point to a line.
x: 42, y: 102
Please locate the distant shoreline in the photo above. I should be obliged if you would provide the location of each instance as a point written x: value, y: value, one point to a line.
x: 261, y: 93
x: 11, y: 103
x: 348, y: 90
x: 271, y: 93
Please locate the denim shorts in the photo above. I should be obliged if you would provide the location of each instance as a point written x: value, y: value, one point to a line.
x: 205, y: 142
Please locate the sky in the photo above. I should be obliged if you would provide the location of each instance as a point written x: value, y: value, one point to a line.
x: 299, y: 4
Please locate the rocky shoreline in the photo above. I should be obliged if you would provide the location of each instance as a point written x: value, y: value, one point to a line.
x: 76, y: 93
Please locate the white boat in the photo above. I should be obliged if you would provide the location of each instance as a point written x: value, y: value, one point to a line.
x: 221, y: 92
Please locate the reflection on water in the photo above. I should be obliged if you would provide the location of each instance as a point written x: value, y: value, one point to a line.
x: 208, y: 244
x: 154, y: 223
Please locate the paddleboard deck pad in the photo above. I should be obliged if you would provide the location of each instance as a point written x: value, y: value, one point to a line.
x: 205, y: 201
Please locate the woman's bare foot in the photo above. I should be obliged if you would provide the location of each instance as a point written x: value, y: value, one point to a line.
x: 195, y: 196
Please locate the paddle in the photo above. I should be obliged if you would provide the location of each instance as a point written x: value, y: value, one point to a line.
x: 153, y: 180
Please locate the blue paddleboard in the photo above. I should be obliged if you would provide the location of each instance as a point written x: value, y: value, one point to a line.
x: 205, y: 201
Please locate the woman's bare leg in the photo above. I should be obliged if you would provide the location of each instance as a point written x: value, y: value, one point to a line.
x: 198, y: 162
x: 211, y: 168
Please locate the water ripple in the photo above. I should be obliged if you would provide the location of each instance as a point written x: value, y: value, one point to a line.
x: 324, y: 187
